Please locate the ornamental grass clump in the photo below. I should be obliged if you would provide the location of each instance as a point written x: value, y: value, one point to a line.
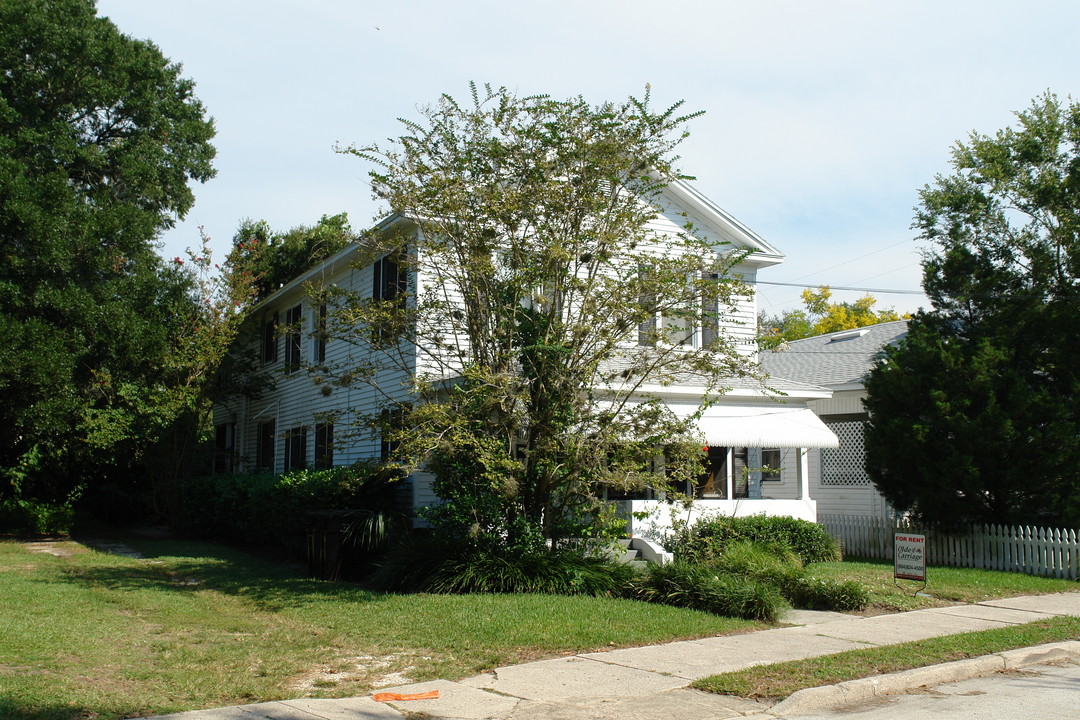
x: 776, y: 565
x: 702, y: 587
x: 439, y: 565
x: 769, y: 563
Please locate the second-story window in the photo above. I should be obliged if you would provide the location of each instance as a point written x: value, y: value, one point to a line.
x: 666, y: 325
x: 695, y: 324
x: 389, y: 279
x: 647, y: 300
x: 292, y: 338
x: 710, y: 313
x: 389, y: 285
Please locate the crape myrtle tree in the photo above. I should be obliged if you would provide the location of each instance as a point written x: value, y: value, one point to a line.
x: 545, y: 302
x: 99, y: 139
x: 974, y: 414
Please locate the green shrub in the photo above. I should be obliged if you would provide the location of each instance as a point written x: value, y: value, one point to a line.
x: 706, y: 539
x: 702, y: 587
x: 814, y: 594
x: 21, y: 516
x: 776, y: 565
x: 269, y: 510
x: 433, y: 563
x: 769, y: 563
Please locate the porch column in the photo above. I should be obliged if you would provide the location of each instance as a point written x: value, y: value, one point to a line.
x: 729, y: 475
x: 804, y: 473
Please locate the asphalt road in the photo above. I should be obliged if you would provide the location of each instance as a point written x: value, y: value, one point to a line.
x: 1042, y: 692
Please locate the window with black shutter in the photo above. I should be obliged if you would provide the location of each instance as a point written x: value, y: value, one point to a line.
x: 264, y: 447
x: 389, y: 282
x: 295, y: 447
x: 647, y: 300
x: 270, y: 338
x: 710, y: 313
x: 320, y: 334
x: 324, y: 446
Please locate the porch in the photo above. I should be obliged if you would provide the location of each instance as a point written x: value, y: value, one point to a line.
x: 757, y: 463
x: 653, y: 519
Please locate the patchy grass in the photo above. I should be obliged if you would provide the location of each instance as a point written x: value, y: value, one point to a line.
x: 194, y: 625
x: 191, y: 625
x: 775, y: 682
x: 946, y: 585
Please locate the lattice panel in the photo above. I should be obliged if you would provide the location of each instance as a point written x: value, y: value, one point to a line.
x: 844, y: 465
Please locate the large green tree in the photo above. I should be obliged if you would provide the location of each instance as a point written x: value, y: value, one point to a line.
x: 274, y: 258
x: 549, y: 300
x: 974, y: 415
x: 100, y: 136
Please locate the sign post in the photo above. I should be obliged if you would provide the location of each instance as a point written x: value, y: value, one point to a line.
x: 909, y: 558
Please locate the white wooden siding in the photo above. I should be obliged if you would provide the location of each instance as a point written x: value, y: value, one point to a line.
x: 296, y: 399
x: 843, y: 402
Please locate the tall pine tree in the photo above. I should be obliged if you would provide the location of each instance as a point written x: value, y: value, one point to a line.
x: 973, y: 416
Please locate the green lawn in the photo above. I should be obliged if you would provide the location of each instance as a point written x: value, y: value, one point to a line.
x: 945, y: 585
x: 777, y: 681
x: 195, y: 625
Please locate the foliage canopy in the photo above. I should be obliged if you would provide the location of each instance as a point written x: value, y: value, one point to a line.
x: 540, y: 306
x: 99, y: 138
x: 974, y: 414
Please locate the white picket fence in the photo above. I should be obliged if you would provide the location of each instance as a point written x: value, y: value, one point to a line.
x: 1050, y: 552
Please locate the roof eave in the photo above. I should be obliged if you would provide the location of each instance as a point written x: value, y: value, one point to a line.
x: 327, y: 266
x: 764, y: 253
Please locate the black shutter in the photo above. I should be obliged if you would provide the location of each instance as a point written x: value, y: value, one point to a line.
x: 647, y: 300
x: 377, y: 280
x: 710, y: 312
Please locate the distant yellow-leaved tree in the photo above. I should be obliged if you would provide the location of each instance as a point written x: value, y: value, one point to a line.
x: 820, y: 317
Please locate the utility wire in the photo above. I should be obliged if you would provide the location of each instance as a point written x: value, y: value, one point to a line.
x: 838, y: 287
x: 860, y: 257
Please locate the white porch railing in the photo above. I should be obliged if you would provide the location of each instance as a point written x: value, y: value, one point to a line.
x: 653, y: 519
x: 1051, y: 552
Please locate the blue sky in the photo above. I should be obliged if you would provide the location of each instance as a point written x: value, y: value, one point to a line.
x: 823, y: 119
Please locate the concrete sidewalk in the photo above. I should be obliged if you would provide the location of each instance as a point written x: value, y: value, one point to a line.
x: 650, y: 682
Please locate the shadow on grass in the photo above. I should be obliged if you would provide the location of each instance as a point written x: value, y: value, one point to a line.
x: 13, y: 710
x: 187, y: 567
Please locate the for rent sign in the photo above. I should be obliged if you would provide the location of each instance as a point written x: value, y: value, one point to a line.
x: 909, y: 556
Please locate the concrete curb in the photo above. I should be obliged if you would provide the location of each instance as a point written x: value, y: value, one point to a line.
x: 854, y: 691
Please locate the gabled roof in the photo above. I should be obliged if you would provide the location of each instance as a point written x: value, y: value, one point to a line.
x: 836, y: 359
x: 705, y: 211
x: 711, y: 213
x: 341, y: 259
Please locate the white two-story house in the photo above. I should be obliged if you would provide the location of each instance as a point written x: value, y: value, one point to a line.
x: 742, y: 431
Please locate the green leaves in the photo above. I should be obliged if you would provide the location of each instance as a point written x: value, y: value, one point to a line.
x: 973, y: 416
x: 539, y: 241
x: 100, y: 136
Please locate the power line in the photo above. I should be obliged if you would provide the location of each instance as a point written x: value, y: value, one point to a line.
x: 860, y: 257
x: 839, y: 287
